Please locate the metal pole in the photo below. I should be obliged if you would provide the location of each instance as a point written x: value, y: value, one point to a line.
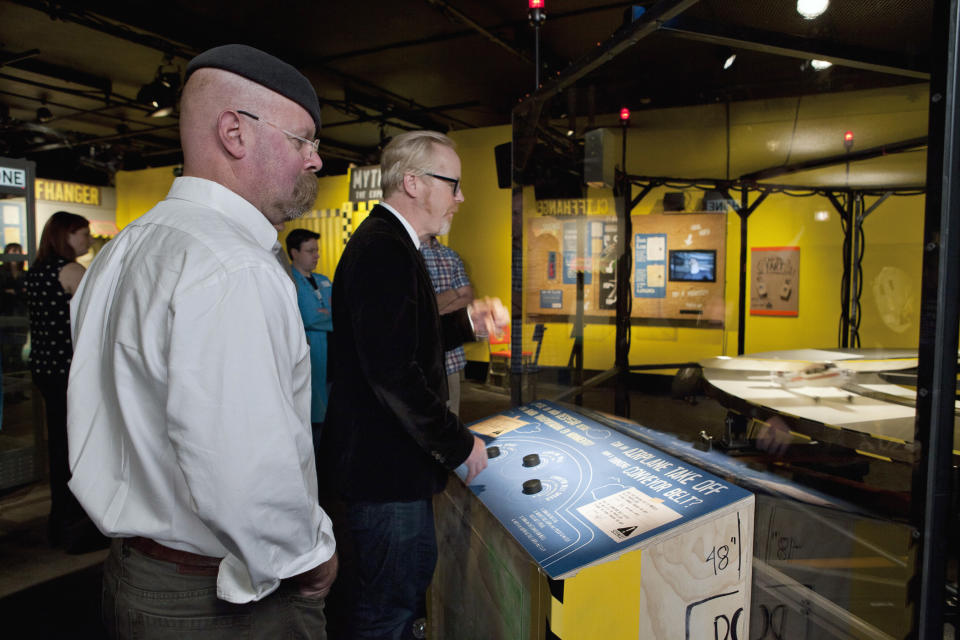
x: 624, y: 300
x: 744, y: 213
x: 516, y: 267
x: 855, y: 275
x: 578, y: 341
x: 845, y: 284
x: 536, y: 56
x: 939, y: 315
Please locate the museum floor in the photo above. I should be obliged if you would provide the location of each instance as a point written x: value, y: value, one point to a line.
x: 47, y: 594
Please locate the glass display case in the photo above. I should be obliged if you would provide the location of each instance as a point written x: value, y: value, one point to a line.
x: 741, y: 286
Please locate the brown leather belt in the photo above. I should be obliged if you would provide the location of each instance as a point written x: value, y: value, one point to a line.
x: 191, y: 564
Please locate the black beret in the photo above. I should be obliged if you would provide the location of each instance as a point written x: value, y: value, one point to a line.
x: 264, y: 69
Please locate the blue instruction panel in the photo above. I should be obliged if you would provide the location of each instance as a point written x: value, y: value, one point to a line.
x: 573, y: 261
x: 551, y: 298
x: 573, y: 492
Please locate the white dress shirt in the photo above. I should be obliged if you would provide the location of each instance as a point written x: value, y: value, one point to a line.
x: 189, y: 394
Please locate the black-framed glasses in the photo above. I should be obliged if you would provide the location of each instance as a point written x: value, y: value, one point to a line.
x: 313, y: 144
x: 454, y: 181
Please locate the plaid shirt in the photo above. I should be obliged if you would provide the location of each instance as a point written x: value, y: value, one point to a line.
x: 447, y: 272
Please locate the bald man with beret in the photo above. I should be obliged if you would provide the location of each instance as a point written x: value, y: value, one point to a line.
x: 189, y: 395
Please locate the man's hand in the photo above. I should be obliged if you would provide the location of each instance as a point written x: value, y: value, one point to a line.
x: 316, y: 582
x: 477, y: 460
x: 489, y: 316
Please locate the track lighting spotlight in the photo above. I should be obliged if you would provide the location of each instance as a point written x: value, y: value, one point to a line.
x: 44, y: 114
x: 161, y: 93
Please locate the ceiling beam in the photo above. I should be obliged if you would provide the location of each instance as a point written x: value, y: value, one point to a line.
x: 73, y: 76
x: 838, y: 159
x: 455, y: 35
x: 460, y: 16
x: 781, y: 44
x: 141, y: 135
x: 625, y: 37
x: 10, y: 58
x: 363, y: 117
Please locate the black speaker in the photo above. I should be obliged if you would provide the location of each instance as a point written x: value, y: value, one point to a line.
x: 598, y: 158
x: 674, y: 201
x: 502, y: 154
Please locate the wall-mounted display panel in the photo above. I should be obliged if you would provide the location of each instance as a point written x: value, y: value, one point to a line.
x: 677, y: 275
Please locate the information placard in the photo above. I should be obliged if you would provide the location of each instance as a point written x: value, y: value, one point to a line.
x: 775, y: 281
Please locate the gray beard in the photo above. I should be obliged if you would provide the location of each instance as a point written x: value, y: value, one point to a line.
x: 445, y: 229
x: 302, y: 199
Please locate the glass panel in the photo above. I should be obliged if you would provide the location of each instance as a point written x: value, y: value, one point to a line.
x: 20, y: 459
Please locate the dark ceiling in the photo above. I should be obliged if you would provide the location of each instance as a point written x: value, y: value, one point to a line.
x: 381, y: 67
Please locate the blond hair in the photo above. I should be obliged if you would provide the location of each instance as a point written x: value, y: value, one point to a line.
x: 410, y: 152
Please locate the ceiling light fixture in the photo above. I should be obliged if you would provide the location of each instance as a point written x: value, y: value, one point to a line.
x: 811, y: 9
x: 820, y: 65
x: 44, y: 114
x: 161, y: 93
x: 729, y: 60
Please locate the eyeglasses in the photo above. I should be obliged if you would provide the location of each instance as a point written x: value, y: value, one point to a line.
x: 312, y: 144
x: 454, y: 181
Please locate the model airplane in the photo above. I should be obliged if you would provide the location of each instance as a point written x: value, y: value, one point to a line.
x: 821, y: 374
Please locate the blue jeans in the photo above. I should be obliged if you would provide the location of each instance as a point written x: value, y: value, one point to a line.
x: 149, y: 599
x: 396, y: 553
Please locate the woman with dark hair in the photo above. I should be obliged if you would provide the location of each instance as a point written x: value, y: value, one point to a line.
x: 52, y: 280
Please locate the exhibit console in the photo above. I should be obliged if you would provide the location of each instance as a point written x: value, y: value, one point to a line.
x: 578, y: 530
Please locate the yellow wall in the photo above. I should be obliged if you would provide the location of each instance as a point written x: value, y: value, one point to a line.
x: 138, y: 191
x: 690, y: 143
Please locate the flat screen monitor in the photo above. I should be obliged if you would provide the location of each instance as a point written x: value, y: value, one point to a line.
x: 696, y: 265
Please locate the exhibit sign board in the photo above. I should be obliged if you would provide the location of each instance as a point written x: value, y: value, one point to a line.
x: 13, y: 177
x: 365, y: 184
x: 775, y: 281
x: 574, y: 492
x: 68, y: 192
x: 678, y: 267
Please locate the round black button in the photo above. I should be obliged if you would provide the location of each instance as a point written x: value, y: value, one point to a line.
x: 531, y: 460
x: 493, y: 452
x: 531, y: 487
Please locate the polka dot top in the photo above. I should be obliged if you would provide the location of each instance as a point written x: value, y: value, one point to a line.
x: 49, y: 305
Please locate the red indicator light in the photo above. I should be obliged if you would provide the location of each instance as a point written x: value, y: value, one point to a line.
x: 624, y: 114
x: 536, y: 4
x: 848, y: 136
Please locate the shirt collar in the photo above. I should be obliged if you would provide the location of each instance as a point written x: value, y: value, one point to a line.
x: 406, y: 225
x: 229, y: 204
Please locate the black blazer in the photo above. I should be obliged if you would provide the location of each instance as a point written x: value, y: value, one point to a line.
x: 388, y: 435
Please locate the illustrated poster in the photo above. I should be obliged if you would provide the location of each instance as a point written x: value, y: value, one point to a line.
x: 775, y: 281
